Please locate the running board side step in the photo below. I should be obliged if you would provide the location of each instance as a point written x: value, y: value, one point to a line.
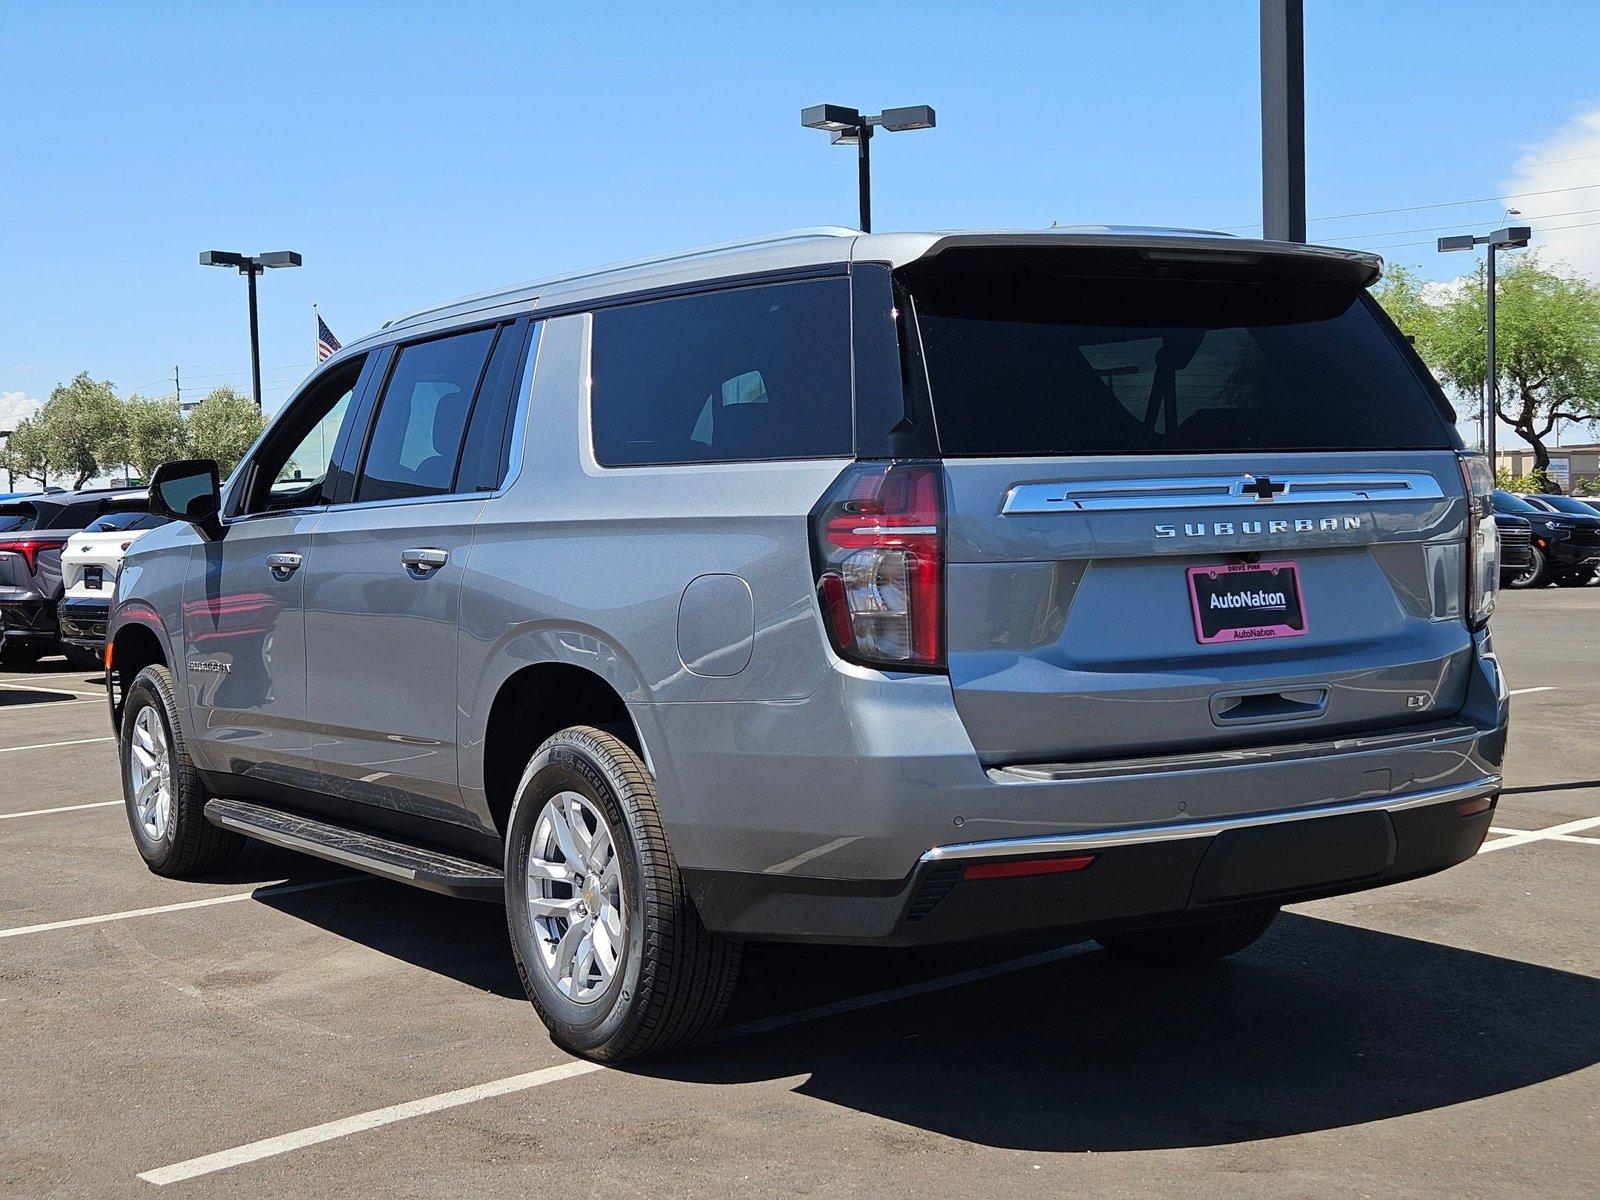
x: 433, y: 870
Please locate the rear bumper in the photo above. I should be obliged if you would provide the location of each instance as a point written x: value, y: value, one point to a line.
x: 820, y: 819
x: 28, y: 620
x: 82, y: 622
x: 1144, y: 877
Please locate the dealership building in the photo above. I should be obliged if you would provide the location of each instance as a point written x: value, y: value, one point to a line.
x: 1569, y: 465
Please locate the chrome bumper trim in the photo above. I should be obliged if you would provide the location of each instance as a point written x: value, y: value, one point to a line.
x: 1140, y: 835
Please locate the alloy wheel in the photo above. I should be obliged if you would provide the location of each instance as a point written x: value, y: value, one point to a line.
x: 150, y: 773
x: 575, y: 897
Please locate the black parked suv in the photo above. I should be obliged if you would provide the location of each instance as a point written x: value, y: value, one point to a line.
x: 33, y: 532
x: 1566, y: 546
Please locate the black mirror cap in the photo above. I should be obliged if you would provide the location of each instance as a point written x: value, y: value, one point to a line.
x: 189, y: 490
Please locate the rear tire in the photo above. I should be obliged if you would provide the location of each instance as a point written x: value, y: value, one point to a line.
x: 1532, y: 576
x: 161, y: 789
x: 607, y: 942
x: 1186, y: 945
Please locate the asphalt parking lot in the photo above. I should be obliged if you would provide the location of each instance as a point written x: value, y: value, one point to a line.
x: 289, y: 1031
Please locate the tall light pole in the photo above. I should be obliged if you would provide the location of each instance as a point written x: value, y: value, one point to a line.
x: 1512, y: 237
x: 1283, y: 120
x: 850, y: 128
x: 251, y: 265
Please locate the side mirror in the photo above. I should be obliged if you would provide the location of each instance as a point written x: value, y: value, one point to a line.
x: 188, y: 490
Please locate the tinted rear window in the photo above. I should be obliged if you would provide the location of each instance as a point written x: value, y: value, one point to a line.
x: 125, y: 519
x: 71, y: 516
x: 749, y: 373
x: 16, y: 520
x: 1029, y: 362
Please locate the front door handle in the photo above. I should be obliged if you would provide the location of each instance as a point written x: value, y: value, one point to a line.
x: 424, y: 562
x: 284, y: 564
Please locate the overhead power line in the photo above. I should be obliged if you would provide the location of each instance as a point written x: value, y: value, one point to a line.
x: 1383, y: 212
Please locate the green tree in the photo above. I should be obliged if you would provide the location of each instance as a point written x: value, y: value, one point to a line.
x: 153, y: 432
x: 223, y: 426
x: 80, y: 422
x: 26, y: 453
x: 1547, y: 326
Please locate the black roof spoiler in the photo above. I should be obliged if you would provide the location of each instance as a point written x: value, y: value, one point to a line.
x: 1357, y: 268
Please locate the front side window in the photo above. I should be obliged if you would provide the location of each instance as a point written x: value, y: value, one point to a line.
x: 292, y: 469
x: 744, y: 374
x: 422, y: 418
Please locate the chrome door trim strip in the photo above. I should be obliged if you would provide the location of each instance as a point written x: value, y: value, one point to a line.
x: 1144, y: 834
x: 1218, y: 491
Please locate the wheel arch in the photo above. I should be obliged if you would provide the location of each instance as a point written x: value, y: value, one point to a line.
x: 533, y: 700
x: 135, y: 645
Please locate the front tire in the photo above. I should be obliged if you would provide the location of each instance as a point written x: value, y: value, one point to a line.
x: 1187, y: 945
x: 161, y: 789
x: 608, y: 945
x: 1534, y: 575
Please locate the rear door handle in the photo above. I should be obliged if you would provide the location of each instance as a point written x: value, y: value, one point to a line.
x: 284, y: 564
x: 425, y: 561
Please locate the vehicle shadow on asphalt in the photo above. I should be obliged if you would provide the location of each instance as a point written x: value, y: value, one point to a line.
x: 1320, y: 1025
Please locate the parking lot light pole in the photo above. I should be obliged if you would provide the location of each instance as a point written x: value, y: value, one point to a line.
x: 849, y: 128
x: 251, y: 265
x: 1512, y: 237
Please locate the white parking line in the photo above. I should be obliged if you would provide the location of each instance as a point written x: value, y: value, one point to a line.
x: 1525, y: 691
x: 53, y: 745
x: 278, y: 887
x: 1522, y: 837
x: 361, y: 1122
x: 45, y: 812
x: 5, y: 708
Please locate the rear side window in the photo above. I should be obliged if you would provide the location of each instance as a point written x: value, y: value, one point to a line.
x: 486, y: 457
x: 422, y: 418
x: 1028, y: 362
x: 748, y: 373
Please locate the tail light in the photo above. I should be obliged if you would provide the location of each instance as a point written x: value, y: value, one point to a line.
x: 1483, y: 542
x: 29, y: 548
x: 878, y: 549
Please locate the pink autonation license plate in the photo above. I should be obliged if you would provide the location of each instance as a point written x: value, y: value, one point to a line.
x: 1246, y: 602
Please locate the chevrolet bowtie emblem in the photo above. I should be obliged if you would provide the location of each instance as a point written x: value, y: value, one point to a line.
x: 1262, y: 487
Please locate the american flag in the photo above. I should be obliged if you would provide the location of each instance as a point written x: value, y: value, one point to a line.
x: 326, y: 342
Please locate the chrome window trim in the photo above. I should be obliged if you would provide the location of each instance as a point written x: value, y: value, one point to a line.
x: 1106, y: 839
x: 1218, y: 491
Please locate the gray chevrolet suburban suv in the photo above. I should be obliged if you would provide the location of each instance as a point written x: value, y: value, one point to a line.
x: 879, y: 589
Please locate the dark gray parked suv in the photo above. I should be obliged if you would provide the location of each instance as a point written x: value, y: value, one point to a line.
x: 880, y: 589
x: 33, y: 532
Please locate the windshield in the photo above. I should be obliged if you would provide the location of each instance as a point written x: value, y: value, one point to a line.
x: 1567, y: 504
x: 1506, y: 502
x: 1023, y: 360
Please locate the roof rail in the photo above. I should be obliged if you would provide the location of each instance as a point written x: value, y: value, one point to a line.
x: 483, y: 299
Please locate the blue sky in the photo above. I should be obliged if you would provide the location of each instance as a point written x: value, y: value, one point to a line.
x: 415, y: 152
